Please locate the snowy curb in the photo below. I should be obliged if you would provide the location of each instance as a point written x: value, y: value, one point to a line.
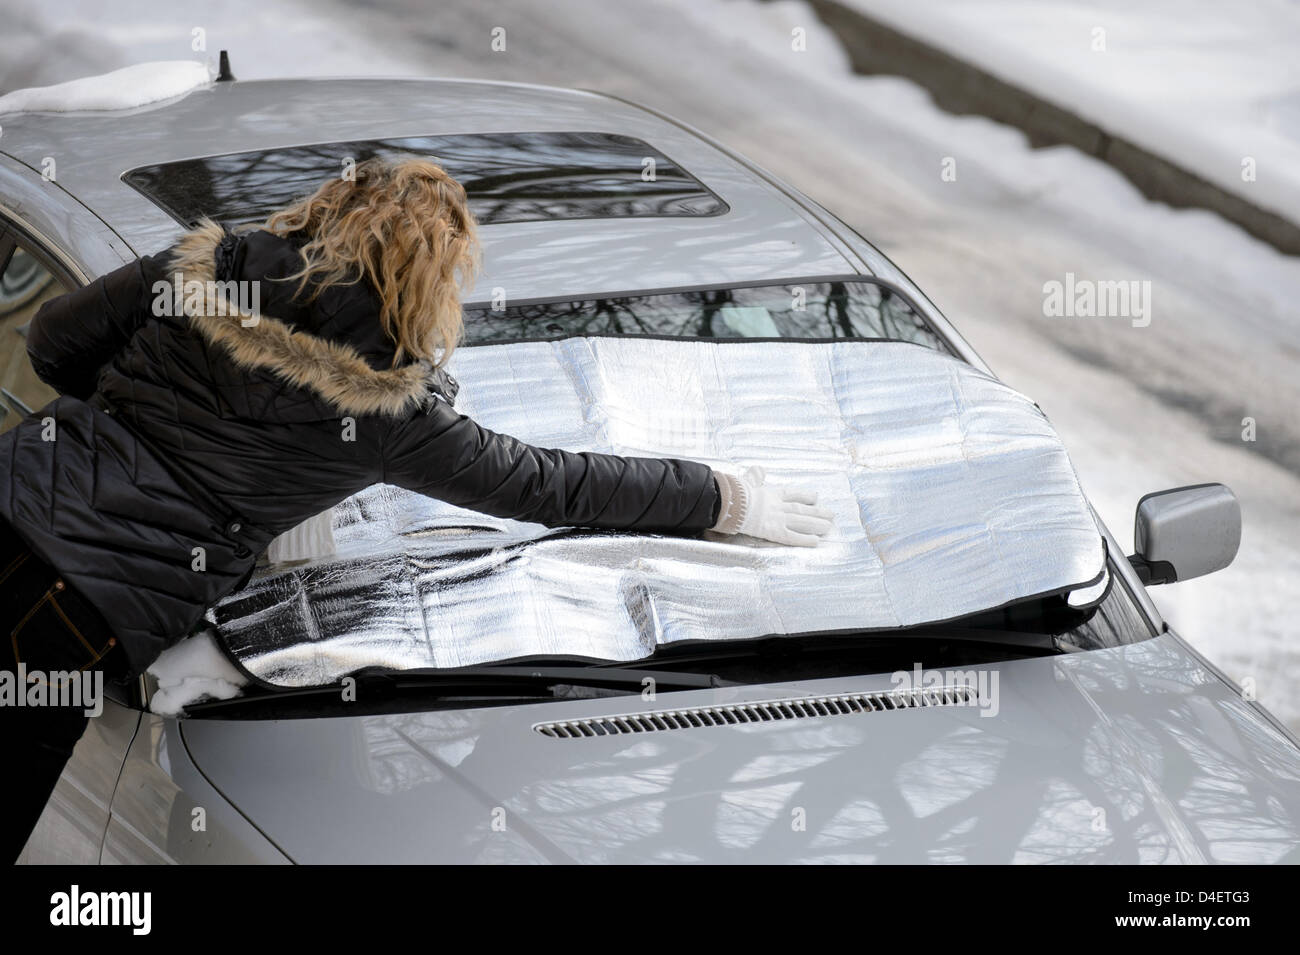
x: 960, y: 86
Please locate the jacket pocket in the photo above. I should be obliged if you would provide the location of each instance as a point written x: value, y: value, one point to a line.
x: 47, y: 641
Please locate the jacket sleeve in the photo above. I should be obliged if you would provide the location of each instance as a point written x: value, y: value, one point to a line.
x: 448, y: 456
x: 73, y: 336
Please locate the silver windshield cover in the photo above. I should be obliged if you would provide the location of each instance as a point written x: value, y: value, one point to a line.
x: 952, y: 494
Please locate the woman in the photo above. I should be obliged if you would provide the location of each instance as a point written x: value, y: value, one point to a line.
x: 190, y: 433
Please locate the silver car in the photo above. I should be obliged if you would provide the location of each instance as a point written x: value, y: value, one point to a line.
x: 1114, y: 740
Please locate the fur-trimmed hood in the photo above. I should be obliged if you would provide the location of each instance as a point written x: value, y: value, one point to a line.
x: 334, y: 370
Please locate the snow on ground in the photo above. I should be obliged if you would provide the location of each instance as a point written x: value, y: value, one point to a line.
x: 1140, y: 408
x: 1203, y: 82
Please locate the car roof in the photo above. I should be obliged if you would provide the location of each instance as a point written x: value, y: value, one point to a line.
x: 766, y: 233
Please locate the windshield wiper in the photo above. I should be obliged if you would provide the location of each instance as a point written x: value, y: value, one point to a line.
x: 488, y: 683
x: 1020, y: 643
x: 513, y: 678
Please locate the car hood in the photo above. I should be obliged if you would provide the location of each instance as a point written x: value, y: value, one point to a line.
x: 1135, y: 754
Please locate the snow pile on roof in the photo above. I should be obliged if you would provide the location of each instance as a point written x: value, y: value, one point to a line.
x: 194, y: 669
x: 121, y: 89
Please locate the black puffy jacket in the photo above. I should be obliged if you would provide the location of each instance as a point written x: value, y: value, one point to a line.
x: 189, y: 435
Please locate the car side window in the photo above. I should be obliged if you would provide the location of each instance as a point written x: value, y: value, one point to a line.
x: 25, y: 284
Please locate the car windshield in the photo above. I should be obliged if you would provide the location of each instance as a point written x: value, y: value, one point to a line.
x: 816, y: 310
x: 812, y: 310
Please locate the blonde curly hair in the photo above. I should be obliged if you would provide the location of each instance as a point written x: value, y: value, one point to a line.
x: 404, y: 225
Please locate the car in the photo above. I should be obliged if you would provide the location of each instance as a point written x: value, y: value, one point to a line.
x: 1111, y: 740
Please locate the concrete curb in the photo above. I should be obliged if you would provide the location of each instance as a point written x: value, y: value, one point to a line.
x: 959, y: 87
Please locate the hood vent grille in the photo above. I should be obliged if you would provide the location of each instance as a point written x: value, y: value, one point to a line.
x: 766, y: 711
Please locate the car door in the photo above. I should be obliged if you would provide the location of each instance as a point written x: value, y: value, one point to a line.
x: 71, y: 830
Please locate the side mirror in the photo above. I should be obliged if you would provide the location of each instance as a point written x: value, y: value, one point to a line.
x: 1185, y: 532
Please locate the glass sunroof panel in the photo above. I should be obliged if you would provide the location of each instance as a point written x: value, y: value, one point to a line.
x: 509, y: 177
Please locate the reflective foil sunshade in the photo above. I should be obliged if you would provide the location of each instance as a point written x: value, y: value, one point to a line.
x: 952, y: 494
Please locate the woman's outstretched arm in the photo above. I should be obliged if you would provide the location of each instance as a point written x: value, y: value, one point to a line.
x: 446, y: 455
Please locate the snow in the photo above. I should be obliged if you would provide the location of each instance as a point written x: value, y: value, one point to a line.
x: 194, y: 669
x: 1202, y: 82
x: 50, y: 42
x: 126, y: 88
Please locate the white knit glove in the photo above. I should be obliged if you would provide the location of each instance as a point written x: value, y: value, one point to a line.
x: 312, y: 538
x: 786, y: 515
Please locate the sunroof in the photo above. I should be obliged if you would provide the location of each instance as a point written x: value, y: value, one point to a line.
x: 510, y: 177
